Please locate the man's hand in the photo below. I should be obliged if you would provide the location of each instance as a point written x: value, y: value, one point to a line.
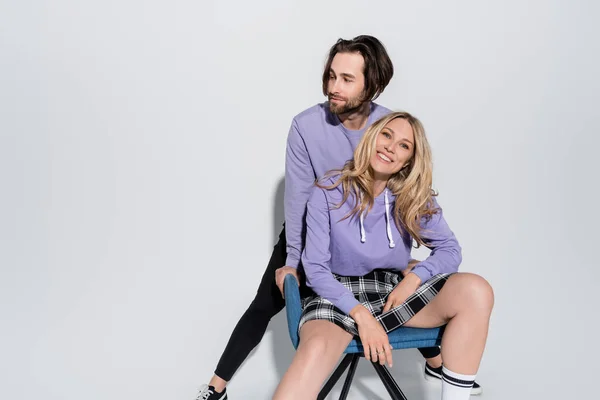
x: 280, y: 276
x: 405, y: 288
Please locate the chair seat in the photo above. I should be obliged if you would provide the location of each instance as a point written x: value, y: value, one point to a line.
x: 401, y: 338
x: 405, y: 338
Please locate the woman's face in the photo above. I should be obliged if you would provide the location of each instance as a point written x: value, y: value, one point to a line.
x: 394, y: 148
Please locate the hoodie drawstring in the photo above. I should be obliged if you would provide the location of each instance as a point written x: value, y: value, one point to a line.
x: 387, y: 217
x: 363, y: 236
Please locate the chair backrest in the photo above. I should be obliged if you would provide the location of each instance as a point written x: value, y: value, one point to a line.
x: 293, y: 307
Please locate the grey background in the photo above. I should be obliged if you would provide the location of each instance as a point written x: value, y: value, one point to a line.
x: 141, y: 160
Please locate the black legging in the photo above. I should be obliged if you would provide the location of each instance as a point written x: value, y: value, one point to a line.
x: 251, y: 328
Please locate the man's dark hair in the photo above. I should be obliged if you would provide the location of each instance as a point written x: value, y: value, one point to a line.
x: 378, y: 70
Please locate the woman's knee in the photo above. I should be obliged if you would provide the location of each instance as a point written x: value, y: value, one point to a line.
x: 475, y: 291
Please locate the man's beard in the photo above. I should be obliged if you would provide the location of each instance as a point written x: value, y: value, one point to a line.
x: 349, y: 106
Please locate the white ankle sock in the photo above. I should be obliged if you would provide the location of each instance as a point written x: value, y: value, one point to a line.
x: 456, y: 386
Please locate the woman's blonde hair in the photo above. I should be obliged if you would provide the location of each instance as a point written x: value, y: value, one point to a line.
x: 411, y: 185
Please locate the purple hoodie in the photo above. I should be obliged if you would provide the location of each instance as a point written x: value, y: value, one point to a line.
x: 316, y: 144
x: 354, y: 248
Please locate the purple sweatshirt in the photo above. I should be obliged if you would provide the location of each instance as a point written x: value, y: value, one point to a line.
x: 354, y: 248
x: 316, y: 144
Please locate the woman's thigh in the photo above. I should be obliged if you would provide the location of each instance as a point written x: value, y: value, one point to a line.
x: 324, y: 335
x: 460, y: 291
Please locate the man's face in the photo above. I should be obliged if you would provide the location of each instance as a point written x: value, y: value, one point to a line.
x: 346, y: 82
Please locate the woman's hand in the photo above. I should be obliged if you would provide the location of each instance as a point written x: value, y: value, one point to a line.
x: 405, y: 288
x: 372, y: 336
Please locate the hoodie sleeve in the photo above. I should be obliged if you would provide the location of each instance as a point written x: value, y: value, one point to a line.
x: 316, y: 256
x: 299, y: 180
x: 445, y: 254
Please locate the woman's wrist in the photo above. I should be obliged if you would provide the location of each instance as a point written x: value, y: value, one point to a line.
x: 359, y: 314
x: 412, y: 279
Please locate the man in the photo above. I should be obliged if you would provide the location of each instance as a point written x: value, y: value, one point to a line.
x: 356, y: 73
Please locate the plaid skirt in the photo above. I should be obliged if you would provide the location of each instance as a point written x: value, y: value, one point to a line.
x: 372, y: 291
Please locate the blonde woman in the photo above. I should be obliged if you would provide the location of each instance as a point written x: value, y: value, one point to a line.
x: 361, y: 224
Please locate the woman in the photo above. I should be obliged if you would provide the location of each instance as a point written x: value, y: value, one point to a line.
x: 361, y: 223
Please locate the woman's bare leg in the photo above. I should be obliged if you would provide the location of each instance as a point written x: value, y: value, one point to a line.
x: 465, y: 303
x: 321, y: 345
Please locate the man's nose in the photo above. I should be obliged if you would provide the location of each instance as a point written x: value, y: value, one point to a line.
x: 335, y: 86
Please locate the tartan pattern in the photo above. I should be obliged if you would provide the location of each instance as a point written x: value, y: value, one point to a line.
x: 372, y: 290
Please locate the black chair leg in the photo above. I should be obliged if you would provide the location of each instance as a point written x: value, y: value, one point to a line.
x: 388, y: 381
x: 335, y: 376
x: 349, y: 377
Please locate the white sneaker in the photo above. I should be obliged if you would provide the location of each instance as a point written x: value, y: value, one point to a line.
x: 209, y: 393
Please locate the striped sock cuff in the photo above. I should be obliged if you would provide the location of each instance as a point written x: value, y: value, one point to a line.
x: 456, y: 379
